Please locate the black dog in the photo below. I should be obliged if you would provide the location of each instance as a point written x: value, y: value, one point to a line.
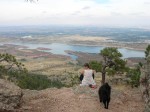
x: 104, y: 94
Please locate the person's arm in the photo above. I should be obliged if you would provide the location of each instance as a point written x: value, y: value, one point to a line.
x: 82, y: 72
x: 93, y: 74
x: 94, y: 71
x: 81, y: 75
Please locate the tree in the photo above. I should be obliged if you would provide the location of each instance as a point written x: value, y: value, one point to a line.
x: 96, y: 66
x: 111, y: 64
x: 134, y: 74
x: 147, y: 54
x: 145, y: 80
x: 9, y: 63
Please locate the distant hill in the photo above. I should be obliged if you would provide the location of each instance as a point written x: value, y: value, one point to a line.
x: 116, y: 34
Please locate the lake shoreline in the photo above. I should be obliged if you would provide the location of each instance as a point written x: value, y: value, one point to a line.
x: 119, y: 47
x: 79, y: 41
x: 60, y: 48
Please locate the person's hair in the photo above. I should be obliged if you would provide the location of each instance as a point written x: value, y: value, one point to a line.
x: 86, y: 65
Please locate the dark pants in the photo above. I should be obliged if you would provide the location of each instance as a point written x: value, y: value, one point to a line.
x: 82, y: 76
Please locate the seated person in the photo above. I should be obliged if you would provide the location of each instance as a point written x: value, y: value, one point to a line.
x: 87, y: 79
x: 82, y: 76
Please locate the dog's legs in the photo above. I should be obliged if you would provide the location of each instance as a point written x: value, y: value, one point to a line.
x: 100, y: 99
x: 105, y: 106
x: 108, y: 102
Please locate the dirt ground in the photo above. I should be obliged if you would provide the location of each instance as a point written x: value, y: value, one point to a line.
x: 80, y: 100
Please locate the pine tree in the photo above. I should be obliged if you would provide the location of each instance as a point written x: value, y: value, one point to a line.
x: 111, y: 64
x: 9, y: 63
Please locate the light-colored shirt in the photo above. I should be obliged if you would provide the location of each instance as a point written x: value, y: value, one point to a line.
x: 88, y: 78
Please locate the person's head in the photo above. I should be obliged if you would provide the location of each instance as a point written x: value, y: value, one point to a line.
x: 86, y: 65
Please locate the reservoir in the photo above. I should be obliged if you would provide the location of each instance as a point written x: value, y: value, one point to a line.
x: 58, y: 48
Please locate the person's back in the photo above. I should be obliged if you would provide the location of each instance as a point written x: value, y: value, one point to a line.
x: 88, y: 77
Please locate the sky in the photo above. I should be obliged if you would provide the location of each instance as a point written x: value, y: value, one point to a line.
x: 123, y: 13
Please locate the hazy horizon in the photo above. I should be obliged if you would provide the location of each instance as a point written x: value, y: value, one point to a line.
x: 105, y: 13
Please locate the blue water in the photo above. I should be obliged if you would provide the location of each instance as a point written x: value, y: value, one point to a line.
x: 58, y: 48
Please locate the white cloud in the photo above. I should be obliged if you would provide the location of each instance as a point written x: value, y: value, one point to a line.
x: 86, y: 8
x: 76, y: 12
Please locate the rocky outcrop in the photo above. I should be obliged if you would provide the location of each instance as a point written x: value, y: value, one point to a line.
x: 81, y: 99
x: 10, y: 96
x: 145, y: 86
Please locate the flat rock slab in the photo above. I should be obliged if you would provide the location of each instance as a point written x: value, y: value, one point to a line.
x: 80, y: 99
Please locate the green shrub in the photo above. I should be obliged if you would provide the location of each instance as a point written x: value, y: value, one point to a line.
x: 134, y: 75
x: 34, y: 81
x: 74, y: 80
x: 16, y: 72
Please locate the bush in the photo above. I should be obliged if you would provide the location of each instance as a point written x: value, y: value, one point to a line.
x: 74, y: 80
x: 16, y: 72
x: 134, y: 75
x: 34, y: 81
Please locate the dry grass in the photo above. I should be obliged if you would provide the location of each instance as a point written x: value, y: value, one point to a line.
x: 50, y: 66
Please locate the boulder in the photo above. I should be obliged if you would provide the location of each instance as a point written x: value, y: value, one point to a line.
x: 10, y: 96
